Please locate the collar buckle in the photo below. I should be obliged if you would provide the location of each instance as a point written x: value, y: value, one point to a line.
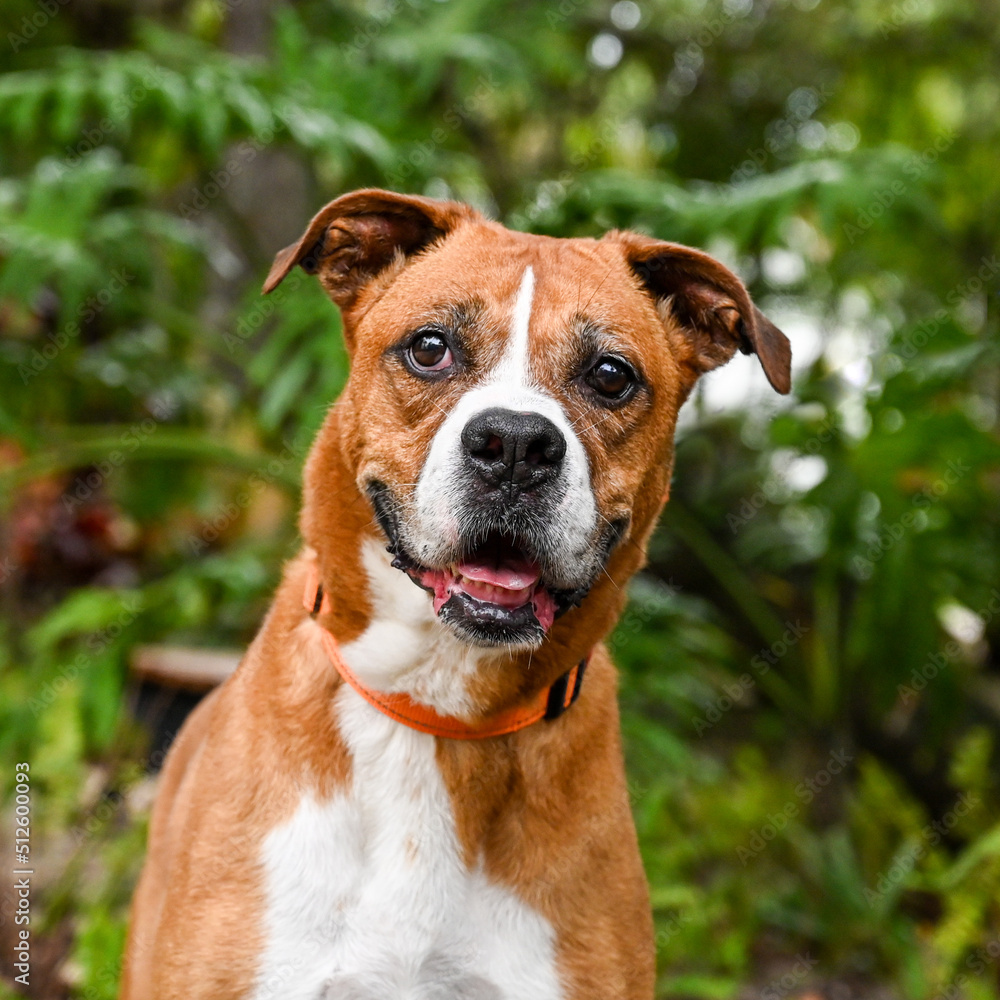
x: 564, y: 691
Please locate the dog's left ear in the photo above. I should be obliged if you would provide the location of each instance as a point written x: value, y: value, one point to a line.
x: 711, y: 305
x: 356, y: 236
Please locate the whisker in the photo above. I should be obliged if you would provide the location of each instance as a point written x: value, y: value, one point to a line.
x: 590, y: 427
x: 598, y: 288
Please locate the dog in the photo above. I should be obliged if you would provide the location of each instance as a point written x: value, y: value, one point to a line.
x: 412, y: 786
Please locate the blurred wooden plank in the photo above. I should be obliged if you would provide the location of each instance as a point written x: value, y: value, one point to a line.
x: 184, y: 668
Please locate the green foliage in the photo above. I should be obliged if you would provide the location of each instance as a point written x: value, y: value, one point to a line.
x: 826, y: 578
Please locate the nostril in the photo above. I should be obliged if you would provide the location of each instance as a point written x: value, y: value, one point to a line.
x: 491, y: 450
x: 483, y: 445
x: 546, y: 449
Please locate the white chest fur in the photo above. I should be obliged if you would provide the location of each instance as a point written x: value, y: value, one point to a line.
x: 405, y: 648
x: 369, y: 898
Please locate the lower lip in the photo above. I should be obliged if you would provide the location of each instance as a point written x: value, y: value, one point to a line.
x: 443, y: 584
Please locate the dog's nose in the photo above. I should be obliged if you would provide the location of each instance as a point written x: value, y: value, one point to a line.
x: 520, y: 449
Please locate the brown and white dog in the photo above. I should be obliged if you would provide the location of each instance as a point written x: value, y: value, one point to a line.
x: 409, y: 788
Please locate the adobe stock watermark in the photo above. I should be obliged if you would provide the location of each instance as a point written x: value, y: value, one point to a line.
x: 902, y: 13
x: 672, y: 927
x: 59, y: 340
x: 915, y: 168
x: 419, y: 154
x: 977, y: 962
x: 930, y: 836
x: 22, y: 873
x: 891, y: 534
x: 262, y: 310
x: 219, y: 179
x: 97, y: 642
x: 782, y: 132
x: 31, y: 24
x: 85, y: 486
x: 109, y: 804
x: 735, y: 693
x: 93, y: 137
x: 925, y: 331
x: 553, y: 190
x: 599, y: 828
x: 242, y: 155
x: 106, y: 981
x: 805, y: 792
x: 781, y: 986
x: 211, y: 528
x: 377, y: 23
x: 559, y: 13
x: 773, y: 490
x: 656, y: 599
x: 921, y: 676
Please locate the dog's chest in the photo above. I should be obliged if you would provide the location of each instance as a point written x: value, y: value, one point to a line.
x: 369, y: 897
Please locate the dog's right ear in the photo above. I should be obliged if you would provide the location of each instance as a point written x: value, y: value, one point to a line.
x: 359, y: 234
x: 711, y: 305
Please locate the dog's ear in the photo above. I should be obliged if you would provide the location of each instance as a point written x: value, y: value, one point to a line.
x: 711, y: 305
x: 359, y: 234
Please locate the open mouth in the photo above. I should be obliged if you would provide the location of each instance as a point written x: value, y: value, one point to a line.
x: 495, y: 594
x: 497, y: 574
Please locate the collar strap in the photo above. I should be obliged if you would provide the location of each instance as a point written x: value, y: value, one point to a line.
x: 548, y: 704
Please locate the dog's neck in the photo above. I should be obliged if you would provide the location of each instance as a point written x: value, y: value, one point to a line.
x: 406, y: 649
x: 386, y: 627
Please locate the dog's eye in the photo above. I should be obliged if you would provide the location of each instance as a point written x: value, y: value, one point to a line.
x: 430, y: 352
x: 612, y: 377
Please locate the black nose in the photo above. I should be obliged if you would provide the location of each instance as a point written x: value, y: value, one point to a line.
x: 520, y: 449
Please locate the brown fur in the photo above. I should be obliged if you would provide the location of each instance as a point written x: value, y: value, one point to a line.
x: 546, y: 808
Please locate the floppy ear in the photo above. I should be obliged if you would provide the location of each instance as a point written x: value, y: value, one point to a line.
x: 711, y: 305
x: 359, y: 234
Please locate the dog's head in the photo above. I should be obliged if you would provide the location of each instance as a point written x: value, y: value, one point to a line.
x: 512, y: 399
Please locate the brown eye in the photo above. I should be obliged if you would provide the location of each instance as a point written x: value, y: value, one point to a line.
x: 611, y: 377
x: 429, y: 352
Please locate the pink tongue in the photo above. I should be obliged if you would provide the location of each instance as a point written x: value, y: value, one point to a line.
x: 512, y: 575
x: 509, y: 585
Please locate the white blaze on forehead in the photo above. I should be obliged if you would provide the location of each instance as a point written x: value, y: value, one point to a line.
x: 441, y: 487
x: 515, y: 365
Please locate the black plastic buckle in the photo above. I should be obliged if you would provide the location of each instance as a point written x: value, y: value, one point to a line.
x: 557, y: 703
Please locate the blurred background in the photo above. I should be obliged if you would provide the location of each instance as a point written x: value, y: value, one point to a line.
x: 810, y: 663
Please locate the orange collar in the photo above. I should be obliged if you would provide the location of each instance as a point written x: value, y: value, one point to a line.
x: 549, y: 703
